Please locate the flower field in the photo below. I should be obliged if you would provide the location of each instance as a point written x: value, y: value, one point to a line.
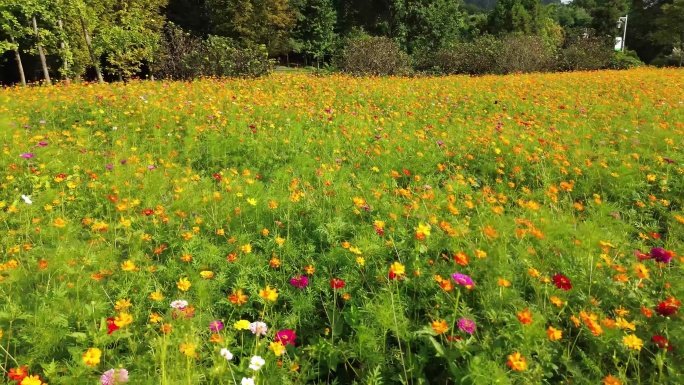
x: 524, y: 229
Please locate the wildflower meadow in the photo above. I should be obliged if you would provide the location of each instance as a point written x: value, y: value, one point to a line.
x: 302, y: 229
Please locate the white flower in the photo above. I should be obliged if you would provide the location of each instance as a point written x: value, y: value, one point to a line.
x: 179, y: 304
x: 27, y: 200
x: 256, y: 363
x: 225, y: 353
x: 258, y: 328
x: 247, y: 381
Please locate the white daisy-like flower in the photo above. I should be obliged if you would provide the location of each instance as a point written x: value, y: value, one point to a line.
x: 225, y: 353
x: 27, y: 199
x: 256, y: 363
x: 258, y: 328
x: 179, y: 304
x: 247, y: 381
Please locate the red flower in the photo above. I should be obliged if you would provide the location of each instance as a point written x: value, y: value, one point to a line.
x: 111, y: 326
x: 148, y: 212
x: 337, y: 284
x: 668, y: 307
x: 17, y: 374
x: 217, y: 176
x: 662, y: 342
x: 562, y: 282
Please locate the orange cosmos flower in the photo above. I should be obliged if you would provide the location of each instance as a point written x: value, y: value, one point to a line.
x: 440, y: 326
x: 525, y: 317
x: 554, y: 334
x: 517, y: 362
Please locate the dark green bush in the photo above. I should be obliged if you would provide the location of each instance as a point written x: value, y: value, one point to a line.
x: 524, y: 54
x: 582, y: 54
x: 375, y: 56
x: 624, y: 60
x: 220, y: 56
x: 185, y: 57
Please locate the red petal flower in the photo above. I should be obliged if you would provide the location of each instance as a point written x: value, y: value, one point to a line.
x: 562, y: 282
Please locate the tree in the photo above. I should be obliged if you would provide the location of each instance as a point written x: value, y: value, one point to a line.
x: 315, y: 31
x: 517, y: 16
x: 12, y: 30
x: 670, y: 28
x: 254, y: 22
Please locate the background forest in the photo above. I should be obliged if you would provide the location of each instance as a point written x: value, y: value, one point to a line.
x: 182, y: 39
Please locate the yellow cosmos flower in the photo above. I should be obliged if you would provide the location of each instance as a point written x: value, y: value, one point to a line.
x: 156, y: 296
x: 128, y: 266
x: 269, y: 294
x: 183, y: 284
x: 277, y: 347
x: 123, y: 319
x: 633, y: 342
x: 187, y: 349
x: 122, y: 304
x: 92, y: 356
x: 241, y: 325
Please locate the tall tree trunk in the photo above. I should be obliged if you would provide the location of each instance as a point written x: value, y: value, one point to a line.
x: 65, y: 58
x: 46, y: 73
x: 96, y: 64
x: 19, y: 65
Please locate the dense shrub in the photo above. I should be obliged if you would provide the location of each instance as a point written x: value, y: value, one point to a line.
x: 624, y: 60
x: 524, y: 54
x: 585, y: 54
x: 186, y: 57
x: 487, y: 54
x: 376, y: 56
x: 474, y: 58
x: 177, y: 47
x: 220, y: 56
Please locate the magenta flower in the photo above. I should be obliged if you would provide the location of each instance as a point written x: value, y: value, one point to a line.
x: 286, y: 337
x: 661, y: 255
x: 467, y: 325
x: 27, y: 155
x: 462, y: 279
x: 109, y: 167
x: 216, y: 326
x: 41, y: 144
x: 300, y: 282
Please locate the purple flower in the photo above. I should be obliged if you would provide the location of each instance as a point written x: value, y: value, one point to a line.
x: 299, y: 282
x: 462, y: 279
x: 27, y: 155
x: 41, y: 144
x: 216, y: 326
x: 123, y: 161
x: 661, y: 255
x: 668, y: 160
x: 440, y: 143
x: 467, y: 325
x: 114, y: 377
x: 109, y: 167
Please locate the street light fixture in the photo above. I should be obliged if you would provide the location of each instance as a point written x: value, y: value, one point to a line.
x: 624, y: 33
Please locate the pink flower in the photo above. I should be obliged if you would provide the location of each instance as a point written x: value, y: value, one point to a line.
x: 286, y: 337
x: 299, y: 282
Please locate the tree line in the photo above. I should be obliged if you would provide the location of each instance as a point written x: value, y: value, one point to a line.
x: 97, y: 39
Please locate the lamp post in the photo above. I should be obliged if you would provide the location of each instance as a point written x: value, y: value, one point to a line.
x: 624, y: 33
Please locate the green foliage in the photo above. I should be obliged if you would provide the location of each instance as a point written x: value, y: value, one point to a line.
x: 517, y: 16
x: 254, y: 22
x: 581, y: 54
x: 624, y: 60
x: 374, y: 56
x: 220, y: 56
x: 315, y: 32
x: 670, y: 28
